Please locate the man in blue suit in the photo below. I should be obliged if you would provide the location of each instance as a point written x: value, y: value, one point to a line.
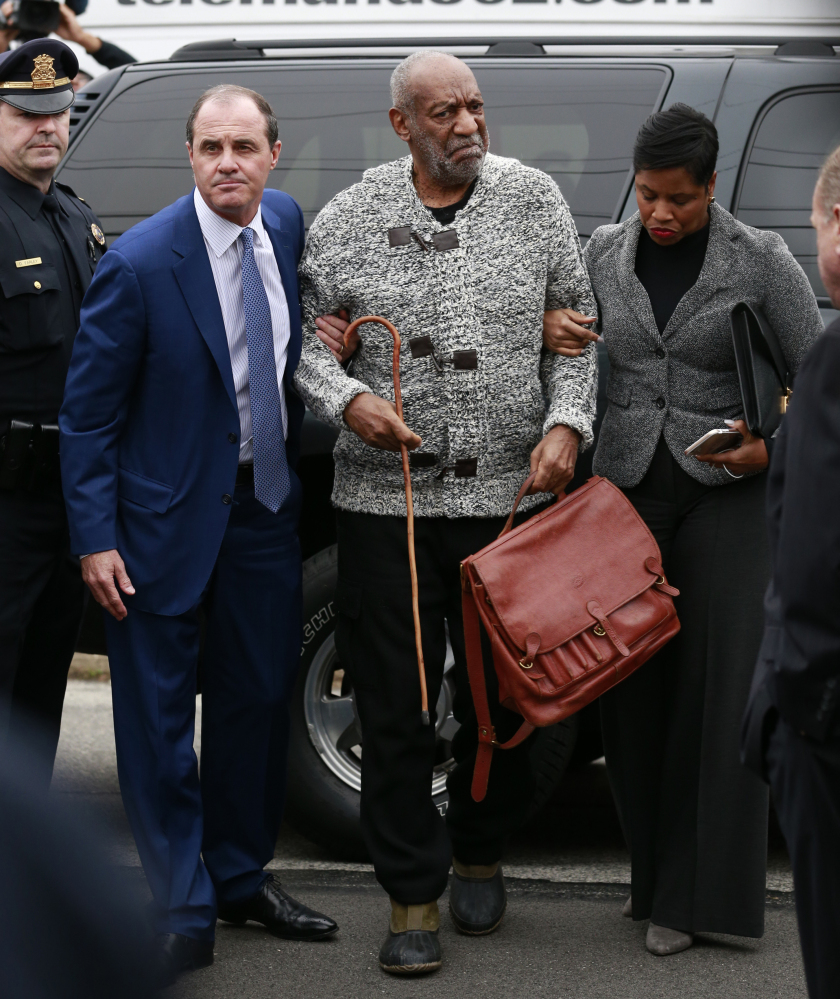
x: 179, y: 437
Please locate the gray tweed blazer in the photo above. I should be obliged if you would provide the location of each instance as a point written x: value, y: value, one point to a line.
x: 683, y: 382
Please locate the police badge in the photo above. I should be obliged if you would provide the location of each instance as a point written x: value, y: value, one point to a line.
x: 98, y: 234
x: 43, y: 75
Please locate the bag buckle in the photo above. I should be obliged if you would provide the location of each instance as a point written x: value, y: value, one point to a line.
x: 488, y: 736
x: 532, y: 647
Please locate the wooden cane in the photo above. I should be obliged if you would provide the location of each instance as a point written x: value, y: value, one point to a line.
x: 409, y: 504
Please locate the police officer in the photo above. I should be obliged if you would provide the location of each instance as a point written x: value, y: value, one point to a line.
x: 50, y: 243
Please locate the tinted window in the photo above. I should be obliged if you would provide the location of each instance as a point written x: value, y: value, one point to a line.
x: 792, y: 141
x: 578, y: 124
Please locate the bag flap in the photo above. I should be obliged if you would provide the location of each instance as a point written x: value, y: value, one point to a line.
x: 592, y: 545
x: 762, y: 331
x: 762, y: 369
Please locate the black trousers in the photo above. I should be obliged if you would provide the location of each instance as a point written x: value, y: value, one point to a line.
x: 695, y: 820
x: 41, y: 603
x: 410, y: 844
x: 805, y: 777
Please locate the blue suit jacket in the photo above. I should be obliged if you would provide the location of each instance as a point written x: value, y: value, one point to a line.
x: 149, y: 406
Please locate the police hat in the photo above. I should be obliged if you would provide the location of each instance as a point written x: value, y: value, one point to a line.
x: 37, y: 76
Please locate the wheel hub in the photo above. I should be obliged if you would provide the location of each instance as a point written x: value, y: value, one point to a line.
x: 333, y: 723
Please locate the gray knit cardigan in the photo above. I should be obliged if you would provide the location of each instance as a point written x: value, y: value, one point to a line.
x: 518, y: 255
x: 682, y: 383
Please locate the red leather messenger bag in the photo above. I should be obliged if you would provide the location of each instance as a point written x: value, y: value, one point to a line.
x: 574, y: 600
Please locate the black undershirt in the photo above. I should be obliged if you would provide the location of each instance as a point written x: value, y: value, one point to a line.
x: 446, y: 215
x: 667, y: 272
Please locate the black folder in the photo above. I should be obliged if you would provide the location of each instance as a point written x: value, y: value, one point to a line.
x: 762, y: 370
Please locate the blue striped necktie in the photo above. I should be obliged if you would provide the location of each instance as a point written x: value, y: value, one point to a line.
x: 271, y: 470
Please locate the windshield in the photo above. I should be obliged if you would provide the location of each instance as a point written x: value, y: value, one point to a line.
x: 576, y: 123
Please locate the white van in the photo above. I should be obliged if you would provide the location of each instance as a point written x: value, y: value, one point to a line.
x: 153, y: 29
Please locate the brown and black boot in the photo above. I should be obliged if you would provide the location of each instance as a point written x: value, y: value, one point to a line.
x: 477, y: 899
x: 412, y: 946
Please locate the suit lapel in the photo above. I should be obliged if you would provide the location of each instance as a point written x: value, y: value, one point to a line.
x: 281, y: 240
x: 713, y: 276
x: 631, y: 287
x: 195, y: 278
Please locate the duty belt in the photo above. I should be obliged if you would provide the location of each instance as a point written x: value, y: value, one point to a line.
x: 29, y: 456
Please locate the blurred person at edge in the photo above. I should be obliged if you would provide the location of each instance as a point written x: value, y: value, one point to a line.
x: 179, y: 441
x: 72, y: 924
x: 51, y: 243
x: 105, y: 53
x: 791, y: 728
x: 666, y: 281
x: 511, y: 229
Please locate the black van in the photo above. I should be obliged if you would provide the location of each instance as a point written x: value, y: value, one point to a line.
x: 571, y: 110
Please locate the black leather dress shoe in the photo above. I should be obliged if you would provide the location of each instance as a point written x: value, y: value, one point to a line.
x: 175, y: 954
x: 477, y: 899
x: 279, y: 913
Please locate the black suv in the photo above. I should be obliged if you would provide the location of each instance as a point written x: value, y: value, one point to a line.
x: 571, y: 110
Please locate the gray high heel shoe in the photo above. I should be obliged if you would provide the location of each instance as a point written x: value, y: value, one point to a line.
x: 662, y: 941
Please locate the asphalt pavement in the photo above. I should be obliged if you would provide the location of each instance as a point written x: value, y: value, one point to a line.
x: 563, y: 934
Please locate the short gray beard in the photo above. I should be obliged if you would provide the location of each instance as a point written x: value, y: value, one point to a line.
x: 441, y: 168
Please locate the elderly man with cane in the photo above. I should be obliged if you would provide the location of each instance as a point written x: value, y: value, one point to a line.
x: 463, y: 252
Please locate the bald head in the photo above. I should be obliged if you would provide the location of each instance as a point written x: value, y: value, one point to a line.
x: 439, y: 111
x: 825, y: 218
x: 424, y: 69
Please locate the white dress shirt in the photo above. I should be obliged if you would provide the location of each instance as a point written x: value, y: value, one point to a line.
x: 224, y: 248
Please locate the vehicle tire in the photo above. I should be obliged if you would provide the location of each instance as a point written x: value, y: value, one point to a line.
x: 325, y: 750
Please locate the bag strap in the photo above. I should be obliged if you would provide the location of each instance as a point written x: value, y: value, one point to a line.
x: 523, y: 492
x: 475, y: 669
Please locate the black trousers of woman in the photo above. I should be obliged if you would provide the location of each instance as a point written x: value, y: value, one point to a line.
x: 695, y: 820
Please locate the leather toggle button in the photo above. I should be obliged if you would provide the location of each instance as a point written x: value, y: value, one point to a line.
x: 464, y: 468
x: 422, y: 459
x: 399, y: 236
x: 446, y: 240
x: 465, y: 360
x: 232, y: 438
x: 226, y: 499
x: 421, y: 346
x: 461, y: 360
x: 660, y: 403
x: 660, y: 352
x: 402, y: 235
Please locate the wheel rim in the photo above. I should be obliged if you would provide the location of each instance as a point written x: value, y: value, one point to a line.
x: 333, y: 724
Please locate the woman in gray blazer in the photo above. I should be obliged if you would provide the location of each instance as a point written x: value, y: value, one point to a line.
x: 665, y: 281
